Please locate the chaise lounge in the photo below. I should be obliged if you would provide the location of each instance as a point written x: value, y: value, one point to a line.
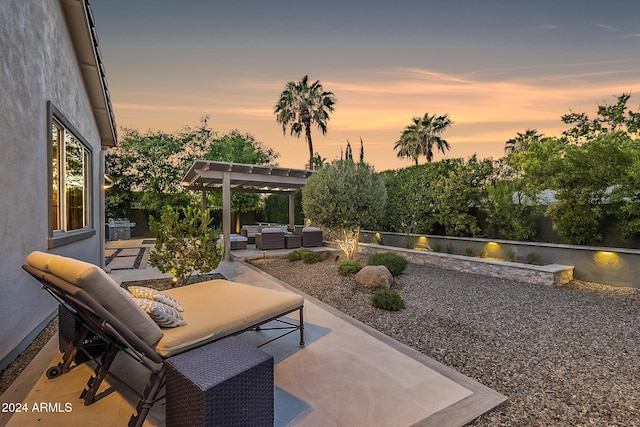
x: 212, y: 310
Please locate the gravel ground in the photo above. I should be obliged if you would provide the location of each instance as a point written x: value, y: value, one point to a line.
x: 564, y: 356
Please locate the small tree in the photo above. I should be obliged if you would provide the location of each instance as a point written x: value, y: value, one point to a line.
x: 344, y: 197
x: 184, y: 245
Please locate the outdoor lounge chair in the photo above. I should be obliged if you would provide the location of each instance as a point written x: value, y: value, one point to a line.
x: 311, y: 236
x: 213, y: 310
x: 270, y: 238
x: 250, y: 231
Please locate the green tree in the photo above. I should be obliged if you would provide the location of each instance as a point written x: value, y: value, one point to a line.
x: 610, y: 119
x: 628, y: 195
x: 510, y: 213
x: 522, y: 141
x: 419, y: 138
x: 344, y: 197
x: 148, y: 168
x: 319, y: 161
x: 410, y: 196
x: 239, y: 148
x: 276, y: 209
x: 300, y: 105
x: 586, y: 185
x: 455, y: 193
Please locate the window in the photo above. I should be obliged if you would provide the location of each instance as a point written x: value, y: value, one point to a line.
x: 70, y: 202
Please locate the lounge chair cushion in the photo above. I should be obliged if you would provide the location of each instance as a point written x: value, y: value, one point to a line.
x: 272, y: 230
x: 164, y: 315
x: 105, y: 291
x: 40, y: 260
x: 218, y: 308
x: 154, y: 295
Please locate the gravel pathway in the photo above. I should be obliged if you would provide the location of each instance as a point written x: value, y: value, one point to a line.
x: 564, y: 356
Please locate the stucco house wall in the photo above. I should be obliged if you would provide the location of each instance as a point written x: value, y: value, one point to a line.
x: 38, y: 64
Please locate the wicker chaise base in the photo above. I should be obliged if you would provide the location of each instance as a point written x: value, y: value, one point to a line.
x: 225, y: 383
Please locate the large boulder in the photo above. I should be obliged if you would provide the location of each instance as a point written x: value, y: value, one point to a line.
x: 375, y: 276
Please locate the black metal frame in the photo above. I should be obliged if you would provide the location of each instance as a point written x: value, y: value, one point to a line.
x: 93, y: 318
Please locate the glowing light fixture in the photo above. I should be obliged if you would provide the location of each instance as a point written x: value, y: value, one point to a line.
x: 108, y: 182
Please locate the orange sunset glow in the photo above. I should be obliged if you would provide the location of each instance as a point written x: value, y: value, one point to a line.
x: 495, y: 81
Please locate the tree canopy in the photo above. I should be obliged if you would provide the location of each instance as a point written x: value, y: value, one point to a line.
x: 148, y: 168
x: 420, y: 137
x: 345, y: 196
x: 301, y: 105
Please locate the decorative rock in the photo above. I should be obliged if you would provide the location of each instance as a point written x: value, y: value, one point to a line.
x: 375, y: 276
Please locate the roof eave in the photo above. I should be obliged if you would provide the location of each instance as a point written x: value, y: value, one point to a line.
x: 80, y: 22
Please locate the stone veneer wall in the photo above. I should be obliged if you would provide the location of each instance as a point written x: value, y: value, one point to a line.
x: 610, y: 266
x: 553, y: 274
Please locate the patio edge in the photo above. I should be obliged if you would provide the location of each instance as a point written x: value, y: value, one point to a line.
x: 482, y: 400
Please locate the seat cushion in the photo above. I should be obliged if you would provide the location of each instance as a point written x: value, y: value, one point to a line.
x: 270, y: 230
x: 106, y: 292
x: 219, y: 308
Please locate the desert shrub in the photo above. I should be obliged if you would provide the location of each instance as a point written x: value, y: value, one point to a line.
x: 311, y: 257
x: 183, y: 247
x: 348, y: 267
x: 394, y: 263
x: 387, y: 299
x: 533, y: 258
x: 297, y: 254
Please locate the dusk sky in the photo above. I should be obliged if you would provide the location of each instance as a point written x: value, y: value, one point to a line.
x: 496, y: 67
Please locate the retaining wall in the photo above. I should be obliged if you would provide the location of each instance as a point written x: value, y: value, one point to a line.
x: 611, y: 266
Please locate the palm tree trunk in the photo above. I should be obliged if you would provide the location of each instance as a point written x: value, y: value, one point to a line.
x: 307, y: 131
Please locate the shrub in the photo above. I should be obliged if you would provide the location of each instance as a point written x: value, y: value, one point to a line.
x: 387, y: 299
x: 450, y: 248
x: 311, y: 257
x: 469, y: 252
x: 532, y: 258
x: 394, y: 263
x: 348, y: 267
x: 182, y: 246
x: 297, y: 254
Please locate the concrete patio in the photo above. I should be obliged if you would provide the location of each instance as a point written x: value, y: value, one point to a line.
x: 347, y: 374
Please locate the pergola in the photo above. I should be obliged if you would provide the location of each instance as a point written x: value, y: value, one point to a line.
x: 209, y: 175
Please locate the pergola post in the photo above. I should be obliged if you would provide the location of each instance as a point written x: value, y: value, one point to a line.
x: 226, y: 214
x: 292, y: 210
x: 204, y: 208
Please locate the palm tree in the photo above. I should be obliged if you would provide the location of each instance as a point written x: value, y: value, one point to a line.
x: 300, y: 105
x: 419, y: 138
x: 522, y: 141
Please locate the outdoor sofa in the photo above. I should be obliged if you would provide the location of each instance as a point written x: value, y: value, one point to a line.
x: 213, y: 310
